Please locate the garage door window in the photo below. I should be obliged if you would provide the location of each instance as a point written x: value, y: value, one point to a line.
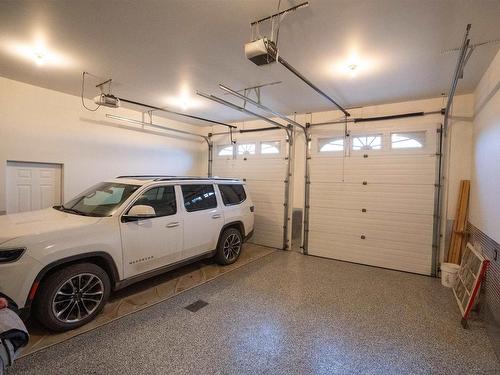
x: 270, y: 147
x: 246, y: 149
x: 198, y: 197
x: 408, y: 140
x: 232, y: 194
x: 367, y: 142
x: 225, y: 150
x: 331, y: 144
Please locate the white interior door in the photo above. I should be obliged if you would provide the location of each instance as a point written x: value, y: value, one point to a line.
x: 32, y: 186
x: 261, y: 160
x: 372, y: 195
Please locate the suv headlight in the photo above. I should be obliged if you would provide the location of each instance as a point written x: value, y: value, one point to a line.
x: 11, y: 255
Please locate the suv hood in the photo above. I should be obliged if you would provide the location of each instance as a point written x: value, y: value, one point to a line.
x: 39, y: 222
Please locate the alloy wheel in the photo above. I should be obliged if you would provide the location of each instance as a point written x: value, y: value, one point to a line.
x: 232, y: 247
x: 77, y: 298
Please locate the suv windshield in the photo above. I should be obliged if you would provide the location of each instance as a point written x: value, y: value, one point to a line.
x: 100, y: 200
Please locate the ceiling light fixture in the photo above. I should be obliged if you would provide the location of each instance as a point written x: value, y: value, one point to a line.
x: 39, y: 58
x: 184, y: 101
x: 36, y: 52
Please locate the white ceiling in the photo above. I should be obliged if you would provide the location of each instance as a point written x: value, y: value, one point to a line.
x: 152, y: 49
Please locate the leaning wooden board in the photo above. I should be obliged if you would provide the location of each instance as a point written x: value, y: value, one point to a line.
x: 458, y: 235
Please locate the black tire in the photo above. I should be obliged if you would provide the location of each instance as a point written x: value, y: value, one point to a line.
x: 83, y: 287
x: 229, y: 246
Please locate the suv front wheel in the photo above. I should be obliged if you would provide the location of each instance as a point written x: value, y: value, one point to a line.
x: 229, y: 247
x: 72, y: 296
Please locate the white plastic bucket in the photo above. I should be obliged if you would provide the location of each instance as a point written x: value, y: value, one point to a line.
x: 449, y: 274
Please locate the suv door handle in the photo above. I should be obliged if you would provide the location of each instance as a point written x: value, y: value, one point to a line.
x: 173, y: 224
x: 216, y: 216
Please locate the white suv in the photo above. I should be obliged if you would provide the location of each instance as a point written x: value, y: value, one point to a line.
x: 64, y: 261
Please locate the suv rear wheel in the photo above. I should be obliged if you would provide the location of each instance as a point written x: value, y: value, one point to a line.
x: 229, y: 247
x: 72, y: 296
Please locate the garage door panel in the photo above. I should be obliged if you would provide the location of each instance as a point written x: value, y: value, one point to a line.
x: 223, y: 168
x: 265, y: 190
x: 394, y: 255
x: 266, y: 236
x: 264, y: 177
x: 261, y: 169
x: 266, y: 211
x: 406, y: 228
x: 264, y: 170
x: 327, y: 169
x: 418, y: 170
x: 260, y: 200
x: 378, y: 197
x: 385, y: 249
x: 406, y: 169
x: 394, y: 188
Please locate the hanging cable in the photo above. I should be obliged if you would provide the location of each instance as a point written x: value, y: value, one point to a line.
x: 280, y: 19
x: 82, y: 95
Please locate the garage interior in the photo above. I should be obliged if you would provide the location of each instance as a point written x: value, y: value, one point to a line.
x: 367, y: 133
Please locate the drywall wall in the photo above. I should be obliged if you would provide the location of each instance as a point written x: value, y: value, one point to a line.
x: 484, y: 210
x: 485, y: 186
x: 40, y: 125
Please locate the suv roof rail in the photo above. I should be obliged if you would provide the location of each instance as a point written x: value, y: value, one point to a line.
x: 183, y: 178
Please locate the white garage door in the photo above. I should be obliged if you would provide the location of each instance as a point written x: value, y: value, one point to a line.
x: 261, y: 160
x: 32, y: 186
x: 372, y: 195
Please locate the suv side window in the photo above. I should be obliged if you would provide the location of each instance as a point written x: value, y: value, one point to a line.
x: 198, y: 197
x: 161, y: 198
x: 232, y: 194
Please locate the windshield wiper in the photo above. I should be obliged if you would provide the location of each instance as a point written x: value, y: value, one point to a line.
x: 72, y: 210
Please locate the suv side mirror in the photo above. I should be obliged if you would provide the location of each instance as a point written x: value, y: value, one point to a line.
x: 138, y: 212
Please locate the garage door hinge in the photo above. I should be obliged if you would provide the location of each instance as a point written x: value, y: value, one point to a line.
x: 438, y: 154
x: 437, y: 185
x: 285, y: 204
x: 308, y: 158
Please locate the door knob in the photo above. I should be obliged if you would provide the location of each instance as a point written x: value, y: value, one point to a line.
x: 173, y: 225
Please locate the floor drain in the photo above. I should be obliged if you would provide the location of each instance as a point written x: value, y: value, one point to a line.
x: 195, y: 306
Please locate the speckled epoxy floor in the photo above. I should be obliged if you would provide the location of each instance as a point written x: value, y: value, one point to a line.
x: 286, y: 314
